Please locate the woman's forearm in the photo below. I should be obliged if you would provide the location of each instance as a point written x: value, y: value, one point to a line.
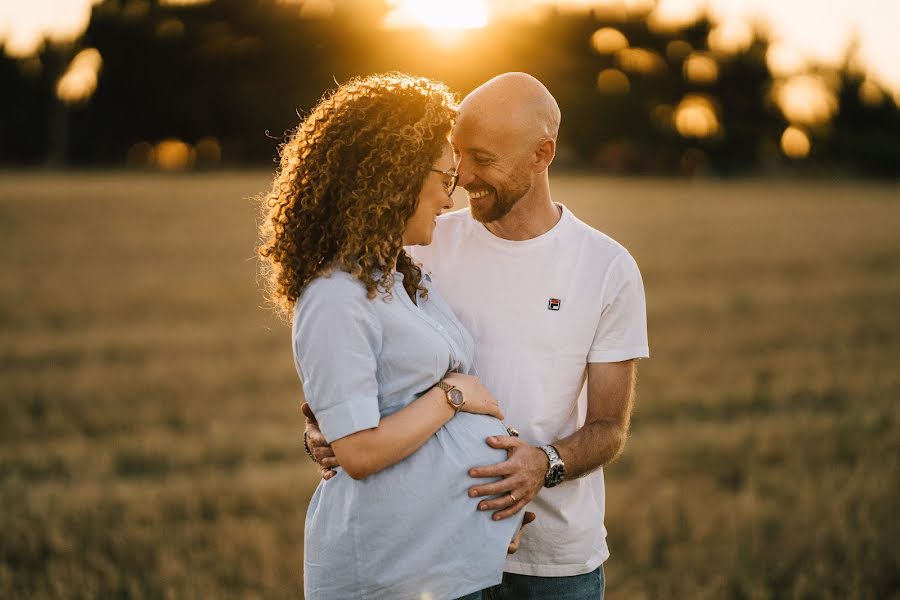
x: 397, y: 436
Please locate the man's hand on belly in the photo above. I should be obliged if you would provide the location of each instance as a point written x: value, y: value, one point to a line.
x: 522, y: 475
x: 318, y: 445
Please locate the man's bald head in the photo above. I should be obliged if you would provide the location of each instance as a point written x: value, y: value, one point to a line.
x: 516, y: 102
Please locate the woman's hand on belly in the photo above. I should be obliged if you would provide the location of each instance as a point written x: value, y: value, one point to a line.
x: 514, y: 544
x: 478, y: 399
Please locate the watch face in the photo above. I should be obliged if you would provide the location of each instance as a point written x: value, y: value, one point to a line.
x: 456, y: 397
x: 555, y: 476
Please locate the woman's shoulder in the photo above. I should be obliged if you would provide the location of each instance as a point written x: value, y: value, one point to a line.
x: 335, y: 292
x: 337, y: 282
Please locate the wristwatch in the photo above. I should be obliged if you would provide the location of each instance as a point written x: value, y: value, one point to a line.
x: 556, y: 472
x: 454, y: 395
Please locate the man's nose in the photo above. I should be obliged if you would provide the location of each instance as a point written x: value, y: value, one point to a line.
x: 464, y: 170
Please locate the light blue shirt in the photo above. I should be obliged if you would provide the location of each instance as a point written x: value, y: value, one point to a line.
x: 408, y: 531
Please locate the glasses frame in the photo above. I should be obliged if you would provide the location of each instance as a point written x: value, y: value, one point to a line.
x: 454, y: 179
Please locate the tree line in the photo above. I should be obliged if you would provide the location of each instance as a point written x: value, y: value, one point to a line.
x: 240, y: 72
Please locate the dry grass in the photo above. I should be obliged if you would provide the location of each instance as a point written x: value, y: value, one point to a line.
x: 149, y: 405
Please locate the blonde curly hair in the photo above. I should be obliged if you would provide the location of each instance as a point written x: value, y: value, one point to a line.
x: 348, y: 182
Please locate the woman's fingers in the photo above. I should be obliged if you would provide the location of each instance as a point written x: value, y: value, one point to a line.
x: 526, y: 519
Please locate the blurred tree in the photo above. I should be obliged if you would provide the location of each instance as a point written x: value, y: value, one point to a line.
x: 634, y: 99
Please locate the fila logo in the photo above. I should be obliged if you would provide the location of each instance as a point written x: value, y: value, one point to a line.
x: 553, y: 304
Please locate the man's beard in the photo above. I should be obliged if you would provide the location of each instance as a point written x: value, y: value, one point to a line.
x: 504, y: 201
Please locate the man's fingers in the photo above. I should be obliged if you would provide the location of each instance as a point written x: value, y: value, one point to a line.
x: 315, y: 438
x: 329, y: 463
x: 308, y: 413
x: 508, y: 512
x: 492, y: 489
x: 497, y: 470
x: 505, y: 501
x: 321, y: 452
x: 327, y: 473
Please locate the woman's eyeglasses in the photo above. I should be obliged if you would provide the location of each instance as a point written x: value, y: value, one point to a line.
x: 450, y: 182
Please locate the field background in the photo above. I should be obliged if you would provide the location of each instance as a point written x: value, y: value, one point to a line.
x: 149, y: 441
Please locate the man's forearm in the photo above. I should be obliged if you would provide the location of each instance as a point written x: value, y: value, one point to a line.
x: 610, y: 399
x: 592, y: 446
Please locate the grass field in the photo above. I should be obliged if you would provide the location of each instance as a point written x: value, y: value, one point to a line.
x: 149, y: 440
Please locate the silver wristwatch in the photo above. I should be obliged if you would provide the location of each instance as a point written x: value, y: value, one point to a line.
x: 556, y: 472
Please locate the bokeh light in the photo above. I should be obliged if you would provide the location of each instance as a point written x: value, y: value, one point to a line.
x: 783, y: 59
x: 678, y: 50
x: 730, y: 37
x: 672, y: 15
x: 79, y: 81
x: 613, y: 82
x: 870, y: 93
x: 141, y: 155
x: 170, y: 29
x: 135, y: 10
x: 795, y: 143
x: 640, y: 60
x: 208, y: 152
x: 701, y: 69
x: 696, y: 117
x: 608, y: 40
x: 25, y: 24
x: 174, y: 155
x: 805, y: 100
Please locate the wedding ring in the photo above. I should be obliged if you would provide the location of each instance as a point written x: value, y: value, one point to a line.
x: 513, y: 497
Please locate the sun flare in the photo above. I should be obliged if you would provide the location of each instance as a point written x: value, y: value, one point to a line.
x: 438, y: 15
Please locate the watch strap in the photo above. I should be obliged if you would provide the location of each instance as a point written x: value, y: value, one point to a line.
x: 449, y: 388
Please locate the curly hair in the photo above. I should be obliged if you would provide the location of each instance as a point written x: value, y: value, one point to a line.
x: 348, y: 182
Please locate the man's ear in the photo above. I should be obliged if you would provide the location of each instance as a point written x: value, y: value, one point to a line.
x: 544, y: 152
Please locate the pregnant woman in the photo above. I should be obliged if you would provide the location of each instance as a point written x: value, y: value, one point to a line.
x: 385, y: 365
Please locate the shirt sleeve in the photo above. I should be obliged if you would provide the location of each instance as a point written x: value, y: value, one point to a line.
x: 337, y: 339
x: 622, y: 331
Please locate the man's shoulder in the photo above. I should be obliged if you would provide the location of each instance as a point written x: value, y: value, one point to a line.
x: 598, y: 241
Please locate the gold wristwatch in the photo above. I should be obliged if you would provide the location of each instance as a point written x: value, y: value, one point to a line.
x: 454, y: 395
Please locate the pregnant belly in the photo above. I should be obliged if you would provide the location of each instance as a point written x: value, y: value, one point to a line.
x: 413, y: 521
x: 465, y: 437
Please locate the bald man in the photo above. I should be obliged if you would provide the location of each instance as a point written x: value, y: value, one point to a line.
x: 558, y: 315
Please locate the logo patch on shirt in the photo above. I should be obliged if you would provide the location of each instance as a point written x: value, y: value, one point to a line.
x: 553, y: 304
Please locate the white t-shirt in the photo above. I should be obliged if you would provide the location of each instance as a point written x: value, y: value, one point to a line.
x: 539, y: 311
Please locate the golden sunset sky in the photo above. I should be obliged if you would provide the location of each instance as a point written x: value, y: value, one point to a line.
x: 802, y: 30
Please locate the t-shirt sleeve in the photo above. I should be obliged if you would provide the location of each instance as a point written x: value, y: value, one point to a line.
x: 336, y: 340
x: 622, y: 331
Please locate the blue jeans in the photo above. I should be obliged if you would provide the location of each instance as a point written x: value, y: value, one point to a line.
x: 589, y: 586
